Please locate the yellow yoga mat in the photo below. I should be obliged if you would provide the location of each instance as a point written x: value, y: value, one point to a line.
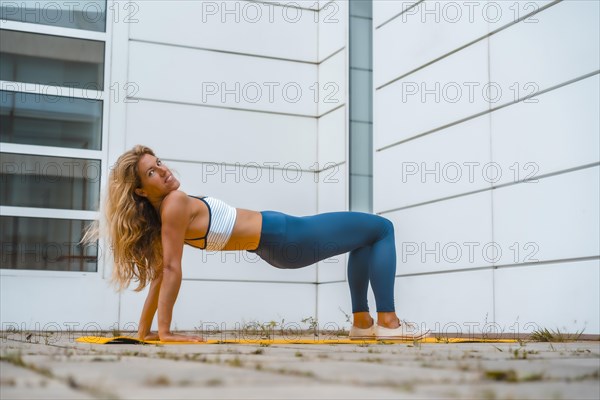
x: 132, y: 340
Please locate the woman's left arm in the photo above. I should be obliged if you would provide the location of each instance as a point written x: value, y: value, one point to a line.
x: 175, y: 218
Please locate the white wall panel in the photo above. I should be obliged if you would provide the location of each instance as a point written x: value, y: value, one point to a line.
x: 331, y: 298
x: 428, y: 31
x: 237, y: 26
x: 86, y: 303
x: 440, y: 94
x: 449, y: 235
x: 332, y: 137
x: 333, y: 24
x: 230, y: 305
x: 383, y: 10
x: 239, y: 265
x: 332, y: 83
x: 554, y: 218
x: 218, y: 135
x: 564, y: 44
x: 446, y: 303
x: 560, y: 296
x: 562, y: 122
x: 205, y: 77
x: 331, y: 186
x: 333, y: 269
x: 452, y: 161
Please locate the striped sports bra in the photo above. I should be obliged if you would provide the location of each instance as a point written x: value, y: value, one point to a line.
x: 221, y: 219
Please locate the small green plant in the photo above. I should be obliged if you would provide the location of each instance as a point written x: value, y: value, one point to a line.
x: 417, y: 343
x: 372, y: 360
x: 442, y: 339
x: 546, y: 335
x: 502, y: 375
x: 14, y: 358
x: 235, y: 362
x: 348, y: 316
x: 520, y: 354
x: 532, y: 377
x: 313, y: 325
x: 298, y: 354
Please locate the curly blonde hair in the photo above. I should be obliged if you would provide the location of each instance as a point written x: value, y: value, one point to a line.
x: 130, y: 223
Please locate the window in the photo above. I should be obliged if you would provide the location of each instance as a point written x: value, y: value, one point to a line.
x: 81, y: 14
x: 45, y: 244
x: 361, y: 106
x: 51, y: 60
x: 49, y: 182
x: 32, y: 118
x: 52, y: 134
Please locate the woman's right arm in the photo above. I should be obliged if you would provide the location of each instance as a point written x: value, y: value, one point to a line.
x: 149, y: 309
x: 175, y: 218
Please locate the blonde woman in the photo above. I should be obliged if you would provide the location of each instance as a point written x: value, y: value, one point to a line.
x: 149, y: 220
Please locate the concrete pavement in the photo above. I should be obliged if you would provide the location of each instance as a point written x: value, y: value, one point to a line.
x: 46, y: 368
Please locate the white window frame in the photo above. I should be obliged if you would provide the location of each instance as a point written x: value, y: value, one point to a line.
x: 101, y: 155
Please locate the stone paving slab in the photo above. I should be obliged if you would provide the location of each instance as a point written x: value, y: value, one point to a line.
x: 21, y: 383
x: 228, y: 371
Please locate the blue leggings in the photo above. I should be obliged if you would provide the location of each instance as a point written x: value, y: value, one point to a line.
x: 288, y: 241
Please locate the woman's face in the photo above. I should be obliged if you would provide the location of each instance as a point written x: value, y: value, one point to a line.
x: 157, y: 179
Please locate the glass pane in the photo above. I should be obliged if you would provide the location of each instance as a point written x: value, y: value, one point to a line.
x: 28, y: 118
x: 82, y: 14
x: 360, y: 43
x: 46, y: 244
x: 361, y: 8
x: 51, y: 60
x: 361, y: 188
x: 49, y: 182
x: 361, y: 102
x: 361, y: 105
x: 361, y: 148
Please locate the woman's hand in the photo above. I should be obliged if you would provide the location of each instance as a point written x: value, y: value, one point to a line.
x: 172, y: 337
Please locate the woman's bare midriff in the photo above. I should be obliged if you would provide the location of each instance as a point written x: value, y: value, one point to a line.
x: 246, y: 231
